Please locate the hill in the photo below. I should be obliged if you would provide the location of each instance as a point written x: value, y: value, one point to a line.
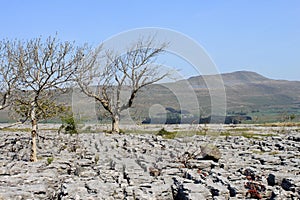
x: 229, y: 79
x: 248, y: 95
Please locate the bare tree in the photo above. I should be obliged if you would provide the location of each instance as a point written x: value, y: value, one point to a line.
x: 45, y: 67
x: 8, y: 76
x: 119, y: 77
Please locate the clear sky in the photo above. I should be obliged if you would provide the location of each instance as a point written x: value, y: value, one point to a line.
x: 255, y: 35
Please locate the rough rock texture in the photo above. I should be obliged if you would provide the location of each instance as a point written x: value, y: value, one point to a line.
x: 210, y: 152
x: 99, y: 166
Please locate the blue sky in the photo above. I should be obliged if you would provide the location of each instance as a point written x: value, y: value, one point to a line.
x: 254, y: 35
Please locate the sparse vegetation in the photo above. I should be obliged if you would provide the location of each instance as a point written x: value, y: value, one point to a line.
x: 250, y: 135
x: 138, y: 131
x: 40, y: 70
x: 257, y: 152
x: 281, y: 124
x: 166, y: 134
x: 96, y: 159
x: 246, y: 132
x: 226, y: 133
x: 121, y: 131
x: 35, y: 72
x: 274, y: 153
x: 239, y: 129
x: 130, y: 72
x: 256, y: 135
x: 16, y: 129
x: 50, y: 160
x: 69, y: 124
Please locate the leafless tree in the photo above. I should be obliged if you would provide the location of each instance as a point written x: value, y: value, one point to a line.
x: 8, y: 76
x: 44, y: 68
x: 119, y: 77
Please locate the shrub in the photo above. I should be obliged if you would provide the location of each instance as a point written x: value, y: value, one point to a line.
x: 50, y: 160
x: 69, y: 125
x: 166, y: 134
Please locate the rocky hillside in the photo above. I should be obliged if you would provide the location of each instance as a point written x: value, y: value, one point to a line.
x: 134, y: 166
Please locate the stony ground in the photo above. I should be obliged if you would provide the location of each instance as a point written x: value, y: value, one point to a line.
x: 146, y: 166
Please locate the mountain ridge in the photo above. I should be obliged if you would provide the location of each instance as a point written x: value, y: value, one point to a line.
x: 243, y: 73
x: 262, y: 98
x: 246, y: 92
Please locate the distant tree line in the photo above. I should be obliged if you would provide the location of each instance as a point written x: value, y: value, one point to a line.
x: 174, y: 116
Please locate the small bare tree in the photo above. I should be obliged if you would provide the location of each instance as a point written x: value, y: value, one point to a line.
x: 118, y: 78
x: 8, y: 76
x: 45, y: 68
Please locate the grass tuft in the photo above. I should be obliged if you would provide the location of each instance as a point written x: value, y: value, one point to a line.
x: 16, y: 129
x: 50, y: 160
x: 273, y: 153
x: 257, y: 152
x: 166, y: 134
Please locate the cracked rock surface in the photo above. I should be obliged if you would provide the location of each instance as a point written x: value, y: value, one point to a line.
x: 146, y: 166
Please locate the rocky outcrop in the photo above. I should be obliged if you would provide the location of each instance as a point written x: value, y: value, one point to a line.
x: 131, y: 166
x: 210, y: 152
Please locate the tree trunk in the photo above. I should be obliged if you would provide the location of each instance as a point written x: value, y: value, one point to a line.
x: 33, y: 134
x: 115, y: 124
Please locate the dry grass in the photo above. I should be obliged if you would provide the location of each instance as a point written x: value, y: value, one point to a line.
x: 281, y: 124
